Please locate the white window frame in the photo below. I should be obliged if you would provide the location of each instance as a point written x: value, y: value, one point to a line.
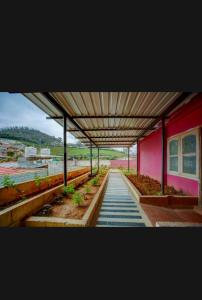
x: 194, y: 132
x: 168, y: 156
x: 179, y: 137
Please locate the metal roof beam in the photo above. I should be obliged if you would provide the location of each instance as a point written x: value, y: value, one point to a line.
x: 121, y: 142
x: 64, y: 112
x: 174, y: 105
x: 109, y: 137
x: 114, y: 116
x: 111, y: 146
x: 116, y: 129
x: 54, y: 118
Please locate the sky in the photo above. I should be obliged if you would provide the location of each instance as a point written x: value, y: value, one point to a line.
x: 17, y: 110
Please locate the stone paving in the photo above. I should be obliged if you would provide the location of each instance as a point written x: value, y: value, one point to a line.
x: 162, y: 214
x: 119, y: 207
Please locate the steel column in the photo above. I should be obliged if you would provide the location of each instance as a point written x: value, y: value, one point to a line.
x: 163, y: 156
x: 200, y: 168
x: 91, y: 167
x: 137, y: 157
x: 98, y: 159
x: 65, y: 150
x: 128, y: 159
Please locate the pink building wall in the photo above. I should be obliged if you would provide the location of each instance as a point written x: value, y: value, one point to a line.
x: 150, y: 158
x: 150, y: 155
x: 123, y: 163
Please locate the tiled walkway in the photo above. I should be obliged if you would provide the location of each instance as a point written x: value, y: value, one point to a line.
x: 119, y: 207
x: 163, y: 214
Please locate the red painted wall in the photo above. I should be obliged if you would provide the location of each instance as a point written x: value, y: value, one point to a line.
x: 150, y: 160
x: 190, y: 186
x: 187, y: 117
x: 150, y: 155
x: 123, y: 163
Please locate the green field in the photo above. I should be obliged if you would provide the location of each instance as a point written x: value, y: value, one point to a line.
x: 84, y: 153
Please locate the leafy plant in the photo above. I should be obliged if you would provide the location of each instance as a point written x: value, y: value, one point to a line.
x: 77, y: 198
x: 8, y: 182
x: 102, y: 171
x: 127, y: 173
x: 87, y: 189
x: 94, y: 181
x: 37, y: 180
x: 68, y: 189
x: 65, y: 190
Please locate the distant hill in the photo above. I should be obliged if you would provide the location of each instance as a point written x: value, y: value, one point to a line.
x: 29, y: 135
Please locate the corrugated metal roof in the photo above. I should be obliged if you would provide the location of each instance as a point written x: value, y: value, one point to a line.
x: 113, y: 111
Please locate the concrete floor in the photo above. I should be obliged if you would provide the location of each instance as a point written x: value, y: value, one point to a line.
x: 162, y: 214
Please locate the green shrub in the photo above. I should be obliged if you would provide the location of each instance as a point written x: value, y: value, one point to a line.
x: 37, y: 180
x: 94, y: 181
x: 127, y: 173
x: 68, y: 189
x: 102, y: 172
x: 87, y: 189
x: 8, y: 182
x: 65, y: 191
x: 77, y: 198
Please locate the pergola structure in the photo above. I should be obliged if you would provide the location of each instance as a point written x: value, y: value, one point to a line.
x: 109, y: 119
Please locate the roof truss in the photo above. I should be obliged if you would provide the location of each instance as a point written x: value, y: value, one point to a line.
x: 109, y: 118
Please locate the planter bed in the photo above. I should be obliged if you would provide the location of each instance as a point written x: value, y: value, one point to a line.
x: 68, y: 214
x: 147, y: 191
x: 14, y: 195
x: 13, y: 215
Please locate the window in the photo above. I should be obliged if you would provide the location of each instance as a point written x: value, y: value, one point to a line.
x: 189, y: 154
x: 173, y: 155
x: 183, y: 156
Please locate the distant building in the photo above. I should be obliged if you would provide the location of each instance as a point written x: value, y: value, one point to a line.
x: 3, y: 150
x: 10, y: 150
x: 45, y: 151
x: 30, y: 151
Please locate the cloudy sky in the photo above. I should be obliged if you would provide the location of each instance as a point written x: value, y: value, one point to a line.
x: 16, y: 110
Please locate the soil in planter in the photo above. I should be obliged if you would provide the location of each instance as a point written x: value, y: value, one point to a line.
x: 63, y: 206
x: 22, y: 198
x: 26, y: 197
x: 149, y: 186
